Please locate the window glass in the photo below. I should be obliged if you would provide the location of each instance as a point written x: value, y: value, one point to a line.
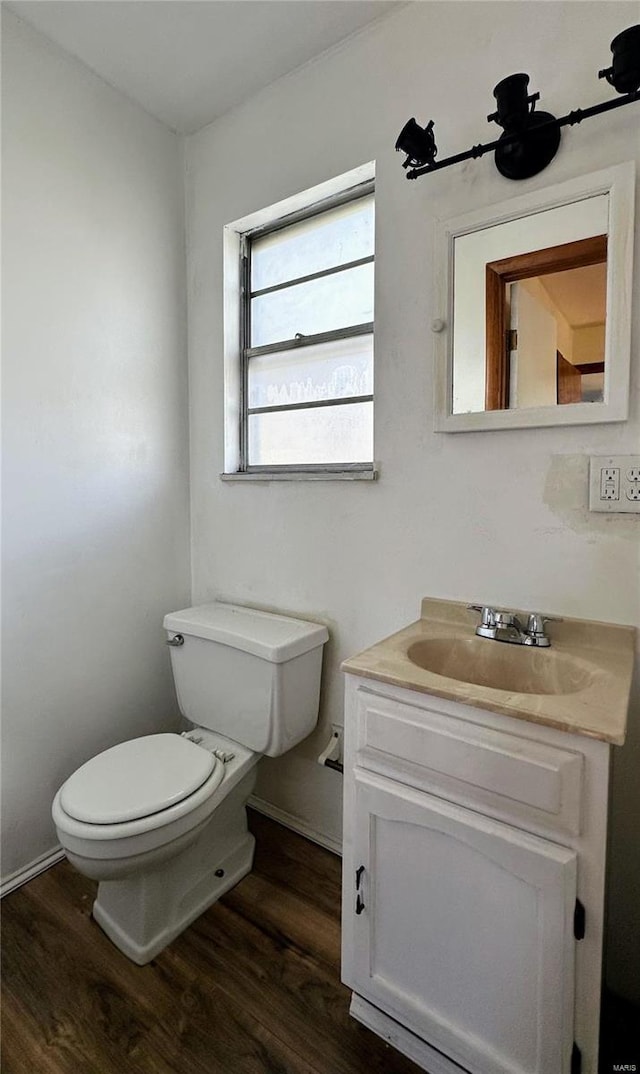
x: 333, y: 370
x: 337, y: 301
x: 307, y: 401
x: 330, y: 435
x: 334, y: 237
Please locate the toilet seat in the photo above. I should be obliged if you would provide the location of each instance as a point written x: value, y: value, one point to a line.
x: 110, y: 838
x: 126, y: 839
x: 136, y: 779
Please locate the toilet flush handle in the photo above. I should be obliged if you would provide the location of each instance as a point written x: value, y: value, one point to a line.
x: 176, y: 640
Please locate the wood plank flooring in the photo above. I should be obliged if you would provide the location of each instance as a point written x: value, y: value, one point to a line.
x: 252, y: 987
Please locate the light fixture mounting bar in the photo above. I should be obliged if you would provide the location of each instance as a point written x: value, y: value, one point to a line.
x: 576, y: 116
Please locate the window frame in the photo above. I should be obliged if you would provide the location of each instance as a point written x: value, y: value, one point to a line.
x: 246, y: 352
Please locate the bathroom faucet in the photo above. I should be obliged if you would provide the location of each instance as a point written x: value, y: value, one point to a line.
x: 500, y: 625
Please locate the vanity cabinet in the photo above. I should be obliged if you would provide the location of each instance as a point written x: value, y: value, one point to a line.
x: 474, y: 851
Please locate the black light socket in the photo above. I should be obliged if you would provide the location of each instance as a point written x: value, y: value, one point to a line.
x: 418, y: 143
x: 530, y: 139
x: 513, y: 103
x: 624, y: 74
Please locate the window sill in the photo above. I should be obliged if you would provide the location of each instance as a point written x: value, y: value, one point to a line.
x: 303, y: 475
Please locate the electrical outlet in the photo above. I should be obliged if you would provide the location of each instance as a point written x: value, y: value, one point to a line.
x: 610, y: 483
x: 614, y: 483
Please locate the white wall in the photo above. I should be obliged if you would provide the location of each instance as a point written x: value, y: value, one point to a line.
x: 361, y: 555
x: 588, y: 343
x: 534, y: 369
x: 95, y: 425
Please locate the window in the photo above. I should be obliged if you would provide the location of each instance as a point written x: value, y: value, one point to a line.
x: 306, y: 340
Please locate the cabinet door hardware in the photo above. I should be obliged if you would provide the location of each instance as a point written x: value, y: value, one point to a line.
x: 579, y: 920
x: 576, y: 1059
x: 359, y: 901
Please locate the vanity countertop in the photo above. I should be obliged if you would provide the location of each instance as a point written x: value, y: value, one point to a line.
x: 588, y: 669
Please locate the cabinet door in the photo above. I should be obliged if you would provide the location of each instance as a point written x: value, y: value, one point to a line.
x: 465, y: 930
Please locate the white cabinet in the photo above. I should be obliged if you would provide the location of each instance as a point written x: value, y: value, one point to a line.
x: 469, y: 840
x: 458, y: 907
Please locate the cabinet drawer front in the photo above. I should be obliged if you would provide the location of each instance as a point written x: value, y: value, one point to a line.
x: 502, y: 773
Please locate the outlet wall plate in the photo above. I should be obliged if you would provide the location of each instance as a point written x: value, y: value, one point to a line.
x: 614, y: 483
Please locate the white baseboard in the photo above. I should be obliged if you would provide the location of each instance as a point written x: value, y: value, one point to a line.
x: 45, y: 861
x: 22, y: 876
x: 296, y: 825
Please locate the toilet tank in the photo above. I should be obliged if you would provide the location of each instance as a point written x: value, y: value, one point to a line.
x: 252, y: 676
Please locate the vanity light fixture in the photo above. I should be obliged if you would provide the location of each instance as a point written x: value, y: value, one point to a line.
x: 530, y: 138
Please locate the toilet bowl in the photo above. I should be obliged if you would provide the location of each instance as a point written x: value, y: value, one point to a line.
x: 160, y: 821
x: 161, y: 870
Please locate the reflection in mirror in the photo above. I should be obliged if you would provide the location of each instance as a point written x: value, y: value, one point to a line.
x: 530, y: 310
x: 545, y: 326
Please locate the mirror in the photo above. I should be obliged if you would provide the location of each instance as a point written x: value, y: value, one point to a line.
x: 538, y: 296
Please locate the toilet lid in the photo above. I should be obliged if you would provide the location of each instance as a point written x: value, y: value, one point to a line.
x: 136, y: 779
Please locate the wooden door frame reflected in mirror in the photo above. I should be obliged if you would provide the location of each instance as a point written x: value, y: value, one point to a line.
x: 617, y: 183
x: 498, y: 274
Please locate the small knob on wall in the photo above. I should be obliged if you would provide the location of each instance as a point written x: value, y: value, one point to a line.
x: 437, y: 325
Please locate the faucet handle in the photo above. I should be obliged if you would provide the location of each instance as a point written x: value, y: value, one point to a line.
x: 536, y: 621
x: 487, y: 626
x: 535, y: 628
x: 487, y: 614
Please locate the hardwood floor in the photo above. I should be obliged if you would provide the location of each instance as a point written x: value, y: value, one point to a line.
x: 252, y: 987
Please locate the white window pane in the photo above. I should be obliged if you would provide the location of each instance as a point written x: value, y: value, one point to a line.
x: 341, y: 368
x: 332, y: 238
x: 335, y: 301
x: 331, y: 434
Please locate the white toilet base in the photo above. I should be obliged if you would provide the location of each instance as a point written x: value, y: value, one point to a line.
x: 143, y: 913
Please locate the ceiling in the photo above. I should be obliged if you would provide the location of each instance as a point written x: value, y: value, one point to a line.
x: 188, y: 61
x: 580, y: 293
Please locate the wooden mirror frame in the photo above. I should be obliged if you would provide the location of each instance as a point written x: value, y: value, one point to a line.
x: 570, y: 255
x: 618, y: 183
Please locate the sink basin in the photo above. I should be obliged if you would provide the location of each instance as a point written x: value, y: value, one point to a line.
x: 580, y: 684
x: 517, y: 669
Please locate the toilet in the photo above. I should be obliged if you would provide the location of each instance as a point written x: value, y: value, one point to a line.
x: 160, y: 821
